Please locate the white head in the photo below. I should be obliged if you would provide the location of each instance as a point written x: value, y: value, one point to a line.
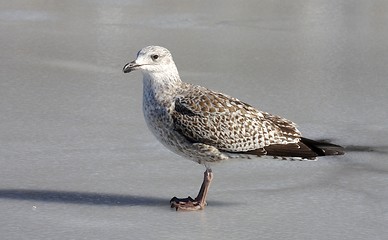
x: 152, y: 60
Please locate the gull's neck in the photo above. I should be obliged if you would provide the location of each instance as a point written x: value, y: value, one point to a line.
x: 161, y: 85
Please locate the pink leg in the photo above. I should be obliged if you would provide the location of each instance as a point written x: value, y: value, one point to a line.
x: 199, y: 203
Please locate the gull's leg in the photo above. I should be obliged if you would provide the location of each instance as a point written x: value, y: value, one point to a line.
x: 199, y: 202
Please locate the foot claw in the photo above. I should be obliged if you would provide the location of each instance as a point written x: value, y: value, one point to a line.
x: 186, y: 204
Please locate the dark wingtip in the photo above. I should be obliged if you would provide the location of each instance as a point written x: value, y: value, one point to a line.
x: 323, y: 148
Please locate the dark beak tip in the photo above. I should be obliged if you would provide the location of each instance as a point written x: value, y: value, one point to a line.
x: 127, y: 68
x: 131, y: 66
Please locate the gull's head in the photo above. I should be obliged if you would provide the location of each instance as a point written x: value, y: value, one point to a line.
x: 151, y: 59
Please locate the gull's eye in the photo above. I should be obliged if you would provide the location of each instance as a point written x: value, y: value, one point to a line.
x: 154, y: 57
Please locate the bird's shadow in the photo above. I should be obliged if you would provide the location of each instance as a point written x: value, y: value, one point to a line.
x: 380, y: 149
x: 372, y: 149
x: 89, y: 198
x: 73, y: 197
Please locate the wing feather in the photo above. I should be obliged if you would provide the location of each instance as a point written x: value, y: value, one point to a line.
x: 227, y: 123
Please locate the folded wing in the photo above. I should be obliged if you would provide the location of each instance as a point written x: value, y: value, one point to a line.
x: 204, y: 116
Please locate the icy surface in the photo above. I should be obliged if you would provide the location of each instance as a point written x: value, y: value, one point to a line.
x: 77, y: 161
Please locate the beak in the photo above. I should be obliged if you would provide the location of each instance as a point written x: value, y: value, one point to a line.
x: 129, y: 67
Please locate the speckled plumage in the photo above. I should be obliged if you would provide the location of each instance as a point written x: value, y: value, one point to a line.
x: 227, y: 123
x: 207, y: 126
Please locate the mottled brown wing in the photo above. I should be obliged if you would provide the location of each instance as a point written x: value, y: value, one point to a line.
x: 227, y: 123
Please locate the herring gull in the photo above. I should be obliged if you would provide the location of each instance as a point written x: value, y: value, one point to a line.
x: 207, y: 126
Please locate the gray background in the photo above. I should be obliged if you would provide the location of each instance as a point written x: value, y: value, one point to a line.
x: 78, y: 162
